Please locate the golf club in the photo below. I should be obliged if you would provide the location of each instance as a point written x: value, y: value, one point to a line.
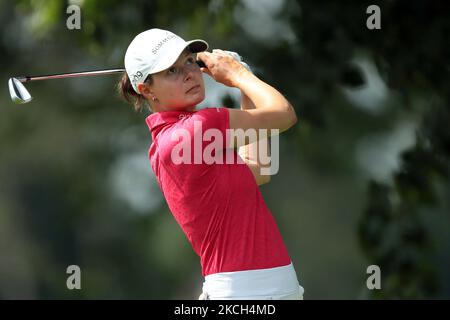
x: 19, y: 94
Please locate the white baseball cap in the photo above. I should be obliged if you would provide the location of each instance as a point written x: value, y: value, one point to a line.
x: 155, y: 50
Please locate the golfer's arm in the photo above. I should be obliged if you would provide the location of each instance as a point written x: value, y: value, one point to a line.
x: 249, y: 152
x: 271, y: 109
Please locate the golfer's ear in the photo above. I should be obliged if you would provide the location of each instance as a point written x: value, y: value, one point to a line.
x: 143, y: 89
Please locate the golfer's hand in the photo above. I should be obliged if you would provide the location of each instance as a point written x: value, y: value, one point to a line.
x: 222, y: 67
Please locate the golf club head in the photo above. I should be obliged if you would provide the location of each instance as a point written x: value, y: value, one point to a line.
x: 19, y: 94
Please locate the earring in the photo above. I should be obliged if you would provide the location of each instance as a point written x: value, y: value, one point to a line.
x: 154, y: 98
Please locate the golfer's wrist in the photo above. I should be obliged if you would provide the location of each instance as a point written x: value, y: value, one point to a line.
x: 244, y: 79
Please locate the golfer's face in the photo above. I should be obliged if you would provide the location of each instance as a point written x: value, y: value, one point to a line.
x: 181, y: 86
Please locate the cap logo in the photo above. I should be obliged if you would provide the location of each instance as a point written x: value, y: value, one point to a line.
x: 163, y: 41
x: 135, y: 77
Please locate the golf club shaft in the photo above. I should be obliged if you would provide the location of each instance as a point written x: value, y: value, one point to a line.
x: 24, y: 79
x: 69, y: 75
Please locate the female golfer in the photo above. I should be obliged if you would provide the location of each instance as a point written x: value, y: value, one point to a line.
x: 208, y: 176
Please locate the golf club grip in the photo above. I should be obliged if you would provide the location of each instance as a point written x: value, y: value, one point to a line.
x: 69, y: 75
x: 201, y: 64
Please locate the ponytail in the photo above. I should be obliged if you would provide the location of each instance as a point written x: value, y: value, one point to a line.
x: 127, y: 93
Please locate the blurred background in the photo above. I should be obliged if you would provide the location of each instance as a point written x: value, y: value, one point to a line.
x: 364, y: 174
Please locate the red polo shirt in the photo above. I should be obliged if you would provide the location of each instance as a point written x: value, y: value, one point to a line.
x: 219, y: 206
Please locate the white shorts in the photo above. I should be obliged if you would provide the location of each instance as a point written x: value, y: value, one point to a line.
x: 278, y: 283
